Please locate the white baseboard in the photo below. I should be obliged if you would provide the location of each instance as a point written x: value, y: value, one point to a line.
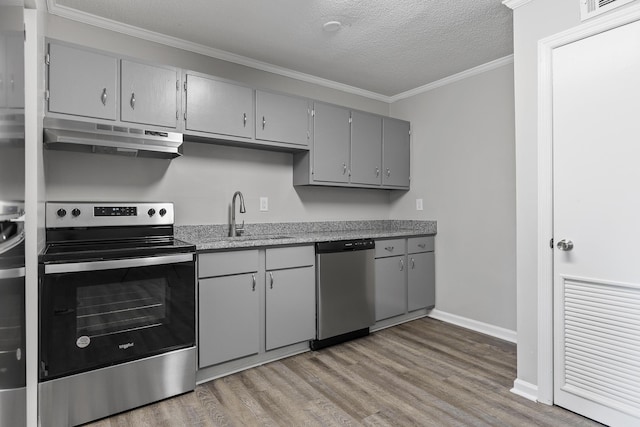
x: 474, y: 325
x: 525, y: 389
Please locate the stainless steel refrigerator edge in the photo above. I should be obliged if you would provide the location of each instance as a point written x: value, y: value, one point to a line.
x: 12, y: 271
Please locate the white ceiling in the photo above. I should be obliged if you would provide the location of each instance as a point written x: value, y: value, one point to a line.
x: 383, y: 49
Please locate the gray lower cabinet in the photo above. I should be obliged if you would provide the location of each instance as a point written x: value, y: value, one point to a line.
x: 149, y: 94
x: 228, y: 306
x: 404, y: 276
x: 253, y: 301
x: 218, y: 107
x: 390, y: 278
x: 82, y: 82
x: 282, y: 118
x: 421, y: 273
x: 290, y: 297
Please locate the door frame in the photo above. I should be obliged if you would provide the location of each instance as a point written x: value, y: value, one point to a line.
x: 545, y: 182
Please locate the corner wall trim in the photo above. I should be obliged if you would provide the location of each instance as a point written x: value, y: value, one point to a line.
x: 474, y: 325
x: 525, y: 389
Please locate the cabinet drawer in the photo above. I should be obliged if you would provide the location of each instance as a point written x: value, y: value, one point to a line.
x: 298, y: 256
x: 420, y: 244
x: 225, y: 263
x: 390, y: 247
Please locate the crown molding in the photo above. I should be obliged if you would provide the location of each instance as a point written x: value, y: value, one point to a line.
x: 108, y: 24
x: 514, y: 4
x: 454, y: 78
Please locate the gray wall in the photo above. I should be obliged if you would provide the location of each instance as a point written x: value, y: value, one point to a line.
x: 463, y: 167
x: 202, y: 182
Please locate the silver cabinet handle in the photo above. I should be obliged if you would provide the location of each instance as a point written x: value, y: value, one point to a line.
x: 389, y: 248
x: 271, y: 277
x: 133, y: 101
x: 103, y: 97
x: 264, y: 122
x: 401, y: 264
x: 565, y: 245
x: 344, y: 168
x: 253, y: 278
x: 413, y: 263
x: 377, y: 171
x: 244, y: 119
x: 422, y: 245
x: 388, y: 172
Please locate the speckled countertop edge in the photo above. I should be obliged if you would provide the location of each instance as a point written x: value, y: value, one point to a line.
x: 214, y: 236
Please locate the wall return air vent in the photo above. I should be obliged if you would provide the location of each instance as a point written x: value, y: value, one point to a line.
x: 591, y: 8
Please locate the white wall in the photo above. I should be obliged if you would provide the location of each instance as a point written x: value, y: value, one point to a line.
x: 533, y: 21
x: 463, y: 168
x: 202, y: 182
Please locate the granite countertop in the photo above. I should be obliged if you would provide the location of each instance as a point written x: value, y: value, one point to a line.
x: 215, y: 237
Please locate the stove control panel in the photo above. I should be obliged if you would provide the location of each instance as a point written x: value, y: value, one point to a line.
x: 89, y: 214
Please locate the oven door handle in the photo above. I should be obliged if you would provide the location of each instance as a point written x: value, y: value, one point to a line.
x: 77, y: 267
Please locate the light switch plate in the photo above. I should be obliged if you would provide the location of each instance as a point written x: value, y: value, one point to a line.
x: 419, y: 204
x: 264, y: 204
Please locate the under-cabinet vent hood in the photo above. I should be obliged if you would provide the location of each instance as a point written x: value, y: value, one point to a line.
x: 89, y: 137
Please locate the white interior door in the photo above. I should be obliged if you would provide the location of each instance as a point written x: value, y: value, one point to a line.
x: 596, y: 156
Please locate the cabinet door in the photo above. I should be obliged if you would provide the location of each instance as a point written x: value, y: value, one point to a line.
x: 395, y: 153
x: 218, y: 107
x: 282, y: 118
x: 331, y: 134
x: 82, y: 83
x: 290, y: 306
x: 391, y: 293
x: 422, y: 281
x: 366, y: 148
x: 14, y: 77
x: 228, y: 321
x: 149, y: 94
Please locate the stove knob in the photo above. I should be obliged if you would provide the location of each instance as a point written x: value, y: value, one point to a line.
x: 75, y: 212
x: 163, y: 212
x: 61, y: 212
x: 151, y: 212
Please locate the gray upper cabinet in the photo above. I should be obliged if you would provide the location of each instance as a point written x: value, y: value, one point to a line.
x: 218, y: 107
x: 82, y: 82
x: 149, y: 94
x: 366, y: 148
x: 395, y: 154
x: 331, y: 135
x: 282, y: 118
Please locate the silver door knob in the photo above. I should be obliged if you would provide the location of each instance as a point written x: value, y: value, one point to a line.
x: 565, y: 245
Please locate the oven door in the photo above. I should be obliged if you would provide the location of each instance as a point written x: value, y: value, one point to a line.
x: 12, y: 362
x: 96, y: 314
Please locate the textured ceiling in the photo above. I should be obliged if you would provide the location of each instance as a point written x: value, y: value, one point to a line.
x: 385, y: 47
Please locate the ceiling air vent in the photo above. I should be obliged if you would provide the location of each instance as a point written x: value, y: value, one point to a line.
x: 591, y: 8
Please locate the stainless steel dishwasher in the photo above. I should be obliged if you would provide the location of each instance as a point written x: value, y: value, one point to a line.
x: 345, y: 291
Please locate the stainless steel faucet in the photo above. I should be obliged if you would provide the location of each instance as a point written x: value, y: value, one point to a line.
x: 234, y: 230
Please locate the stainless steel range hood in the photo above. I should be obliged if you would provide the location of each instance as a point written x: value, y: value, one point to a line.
x: 60, y: 134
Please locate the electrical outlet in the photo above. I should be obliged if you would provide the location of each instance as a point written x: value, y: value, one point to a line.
x: 264, y: 204
x: 419, y: 204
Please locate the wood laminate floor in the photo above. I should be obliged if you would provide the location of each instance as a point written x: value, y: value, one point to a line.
x: 424, y: 372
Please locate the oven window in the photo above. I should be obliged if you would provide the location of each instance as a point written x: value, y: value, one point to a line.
x: 121, y: 307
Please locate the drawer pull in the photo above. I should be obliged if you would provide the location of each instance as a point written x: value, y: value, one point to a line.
x: 389, y: 248
x: 422, y: 245
x: 253, y: 287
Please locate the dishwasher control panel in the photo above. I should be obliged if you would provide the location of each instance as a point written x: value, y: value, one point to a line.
x: 345, y: 245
